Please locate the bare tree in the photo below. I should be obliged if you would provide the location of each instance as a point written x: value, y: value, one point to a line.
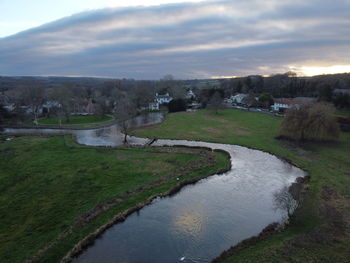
x: 310, y: 122
x: 142, y: 93
x: 33, y: 96
x: 284, y: 201
x: 64, y: 96
x: 168, y: 84
x: 124, y: 110
x: 216, y: 102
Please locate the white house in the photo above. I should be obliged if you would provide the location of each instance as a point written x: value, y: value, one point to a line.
x: 51, y: 104
x: 162, y: 99
x: 238, y: 99
x: 159, y: 100
x: 10, y: 107
x: 190, y: 94
x: 153, y: 106
x: 280, y: 105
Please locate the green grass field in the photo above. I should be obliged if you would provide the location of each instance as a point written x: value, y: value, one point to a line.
x: 75, y: 119
x: 46, y: 183
x: 320, y: 228
x: 343, y: 113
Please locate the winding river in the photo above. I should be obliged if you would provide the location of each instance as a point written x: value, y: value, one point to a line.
x: 200, y: 221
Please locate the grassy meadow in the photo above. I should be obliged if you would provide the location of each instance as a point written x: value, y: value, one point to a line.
x: 47, y: 183
x: 319, y: 231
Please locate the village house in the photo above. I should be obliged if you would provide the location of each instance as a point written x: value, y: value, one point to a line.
x: 51, y: 104
x: 250, y: 101
x: 163, y: 99
x: 10, y: 107
x: 6, y: 103
x: 190, y: 95
x: 159, y: 100
x: 238, y: 99
x: 83, y: 107
x: 282, y: 104
x: 152, y: 106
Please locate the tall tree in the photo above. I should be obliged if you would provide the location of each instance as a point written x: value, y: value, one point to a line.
x: 216, y: 102
x: 325, y: 92
x: 33, y: 96
x: 124, y: 110
x: 266, y: 100
x: 63, y: 95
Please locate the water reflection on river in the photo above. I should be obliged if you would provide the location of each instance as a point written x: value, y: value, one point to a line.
x: 201, y: 220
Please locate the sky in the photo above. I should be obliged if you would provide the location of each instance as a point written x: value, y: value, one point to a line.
x: 19, y: 15
x: 188, y: 39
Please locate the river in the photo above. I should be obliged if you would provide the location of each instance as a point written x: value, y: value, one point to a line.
x: 200, y: 221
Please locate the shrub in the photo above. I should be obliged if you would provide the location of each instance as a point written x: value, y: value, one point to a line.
x: 177, y: 105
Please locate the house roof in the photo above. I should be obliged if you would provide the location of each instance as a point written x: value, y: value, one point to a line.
x: 163, y: 97
x: 294, y: 101
x: 288, y: 101
x: 306, y: 99
x: 239, y: 96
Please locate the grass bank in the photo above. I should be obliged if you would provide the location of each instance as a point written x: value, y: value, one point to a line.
x: 320, y: 229
x: 55, y: 192
x: 75, y: 119
x: 345, y: 113
x: 75, y: 122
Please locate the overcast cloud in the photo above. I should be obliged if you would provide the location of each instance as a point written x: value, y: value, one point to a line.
x: 192, y: 40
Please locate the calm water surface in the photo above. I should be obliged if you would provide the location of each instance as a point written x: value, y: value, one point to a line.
x: 201, y: 220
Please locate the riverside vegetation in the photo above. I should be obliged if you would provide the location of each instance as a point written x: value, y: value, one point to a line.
x: 55, y: 192
x: 75, y: 119
x: 319, y: 230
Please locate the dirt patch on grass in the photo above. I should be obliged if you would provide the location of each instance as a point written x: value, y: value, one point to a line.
x: 121, y: 156
x: 225, y: 129
x: 194, y: 133
x: 39, y: 138
x: 328, y: 193
x: 222, y: 120
x: 212, y: 130
x: 7, y: 150
x: 156, y: 167
x: 240, y: 132
x: 295, y: 147
x: 215, y: 116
